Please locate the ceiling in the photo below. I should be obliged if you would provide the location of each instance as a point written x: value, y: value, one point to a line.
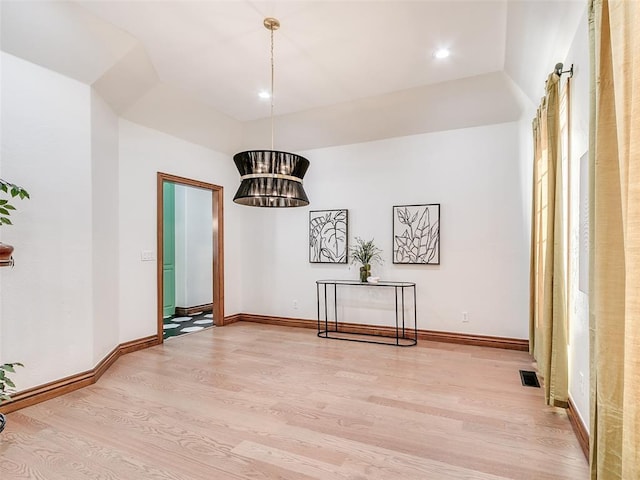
x: 325, y: 52
x: 328, y: 54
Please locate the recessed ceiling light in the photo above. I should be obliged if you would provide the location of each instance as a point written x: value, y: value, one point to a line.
x: 442, y: 53
x: 264, y: 94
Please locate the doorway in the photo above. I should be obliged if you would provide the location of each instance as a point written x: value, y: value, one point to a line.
x: 190, y: 273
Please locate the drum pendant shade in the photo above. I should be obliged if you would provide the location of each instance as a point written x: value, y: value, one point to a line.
x: 271, y: 179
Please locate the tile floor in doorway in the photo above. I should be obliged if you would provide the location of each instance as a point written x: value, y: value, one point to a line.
x: 178, y: 325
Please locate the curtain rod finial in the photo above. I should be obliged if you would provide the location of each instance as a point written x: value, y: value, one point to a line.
x: 558, y: 69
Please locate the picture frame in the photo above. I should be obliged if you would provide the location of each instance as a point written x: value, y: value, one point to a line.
x: 328, y: 236
x: 416, y: 234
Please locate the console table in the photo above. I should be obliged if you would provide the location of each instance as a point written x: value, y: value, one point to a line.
x: 403, y: 334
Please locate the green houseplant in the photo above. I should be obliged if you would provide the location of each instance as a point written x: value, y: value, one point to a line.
x: 7, y: 387
x: 5, y: 207
x: 8, y: 191
x: 365, y: 253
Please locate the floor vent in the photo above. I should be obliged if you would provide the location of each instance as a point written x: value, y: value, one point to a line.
x: 529, y: 378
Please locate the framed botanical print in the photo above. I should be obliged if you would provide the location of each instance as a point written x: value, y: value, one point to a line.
x: 416, y: 234
x: 328, y: 234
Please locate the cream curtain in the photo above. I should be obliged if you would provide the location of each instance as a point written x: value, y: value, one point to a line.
x: 615, y: 239
x: 548, y: 309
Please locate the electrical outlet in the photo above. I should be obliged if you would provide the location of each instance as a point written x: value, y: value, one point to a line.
x: 465, y: 317
x: 295, y: 304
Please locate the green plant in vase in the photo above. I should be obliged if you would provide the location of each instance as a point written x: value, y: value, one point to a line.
x: 7, y: 192
x: 365, y: 253
x: 8, y: 189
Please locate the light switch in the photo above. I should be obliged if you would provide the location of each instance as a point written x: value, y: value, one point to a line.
x: 147, y: 255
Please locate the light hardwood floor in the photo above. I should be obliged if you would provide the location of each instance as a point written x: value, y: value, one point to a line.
x: 251, y: 401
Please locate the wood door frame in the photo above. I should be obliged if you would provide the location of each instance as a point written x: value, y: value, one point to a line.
x: 217, y: 271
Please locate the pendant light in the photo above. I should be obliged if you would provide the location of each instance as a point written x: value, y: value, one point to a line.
x: 271, y: 178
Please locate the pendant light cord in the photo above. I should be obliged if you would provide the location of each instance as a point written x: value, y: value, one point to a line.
x: 272, y: 82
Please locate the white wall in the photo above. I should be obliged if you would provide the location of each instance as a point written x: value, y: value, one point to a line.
x: 473, y: 173
x: 142, y: 153
x: 194, y: 246
x: 104, y: 196
x: 578, y: 301
x: 79, y: 288
x: 46, y: 316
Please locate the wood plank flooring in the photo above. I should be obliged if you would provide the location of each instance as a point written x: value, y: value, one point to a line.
x: 251, y: 401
